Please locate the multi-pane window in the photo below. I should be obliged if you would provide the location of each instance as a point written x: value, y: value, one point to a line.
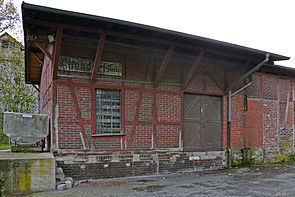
x: 108, y: 111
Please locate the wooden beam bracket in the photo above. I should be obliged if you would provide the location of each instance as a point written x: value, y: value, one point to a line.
x: 164, y: 65
x: 192, y: 70
x: 42, y: 48
x: 98, y: 56
x: 38, y: 58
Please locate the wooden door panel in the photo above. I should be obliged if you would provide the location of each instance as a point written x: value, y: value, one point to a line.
x: 192, y: 136
x: 202, y: 123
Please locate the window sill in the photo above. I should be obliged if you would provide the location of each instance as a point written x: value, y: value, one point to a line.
x: 107, y: 134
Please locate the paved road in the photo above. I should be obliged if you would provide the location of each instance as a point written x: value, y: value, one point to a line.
x: 275, y: 180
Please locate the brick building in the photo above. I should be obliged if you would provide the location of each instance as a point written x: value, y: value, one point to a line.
x: 126, y: 99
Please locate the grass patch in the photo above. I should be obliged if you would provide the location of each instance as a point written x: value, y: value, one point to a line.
x: 4, y: 146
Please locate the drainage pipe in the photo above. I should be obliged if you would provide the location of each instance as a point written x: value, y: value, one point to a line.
x: 230, y: 95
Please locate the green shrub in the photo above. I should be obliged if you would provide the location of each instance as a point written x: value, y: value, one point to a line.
x: 287, y: 153
x: 3, y: 138
x: 2, y: 183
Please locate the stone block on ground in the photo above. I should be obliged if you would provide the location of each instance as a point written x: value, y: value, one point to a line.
x: 69, y: 184
x: 61, y: 187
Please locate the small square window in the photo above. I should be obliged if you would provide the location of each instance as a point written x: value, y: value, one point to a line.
x: 108, y: 111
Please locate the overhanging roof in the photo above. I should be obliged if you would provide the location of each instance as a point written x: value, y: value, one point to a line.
x: 46, y: 14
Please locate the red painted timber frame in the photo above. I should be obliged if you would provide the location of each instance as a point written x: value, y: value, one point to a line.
x: 43, y: 50
x: 237, y: 78
x: 164, y: 65
x: 37, y: 57
x: 78, y: 113
x: 98, y: 56
x: 192, y: 70
x: 135, y: 122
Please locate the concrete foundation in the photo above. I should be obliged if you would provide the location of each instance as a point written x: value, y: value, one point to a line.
x: 27, y: 172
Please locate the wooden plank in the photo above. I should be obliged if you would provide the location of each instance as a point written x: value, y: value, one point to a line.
x: 164, y: 65
x: 57, y: 51
x: 98, y: 56
x: 78, y: 113
x: 43, y: 50
x: 192, y: 70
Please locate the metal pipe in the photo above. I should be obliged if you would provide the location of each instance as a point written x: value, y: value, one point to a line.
x: 256, y: 68
x: 228, y: 148
x: 228, y: 135
x: 241, y: 89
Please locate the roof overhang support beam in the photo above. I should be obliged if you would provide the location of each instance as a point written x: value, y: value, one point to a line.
x: 142, y: 38
x: 237, y: 78
x: 164, y: 65
x: 215, y: 82
x: 36, y: 87
x: 98, y: 56
x: 57, y: 51
x: 43, y: 50
x: 37, y: 58
x: 192, y: 70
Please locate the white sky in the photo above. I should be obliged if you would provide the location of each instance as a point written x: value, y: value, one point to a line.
x: 267, y: 25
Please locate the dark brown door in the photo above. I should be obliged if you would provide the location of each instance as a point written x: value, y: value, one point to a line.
x: 202, y: 122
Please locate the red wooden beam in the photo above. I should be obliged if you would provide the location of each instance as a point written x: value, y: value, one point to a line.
x: 37, y: 57
x: 46, y: 90
x: 57, y: 51
x: 142, y: 38
x: 164, y: 65
x: 192, y: 70
x: 135, y: 122
x: 78, y: 113
x: 237, y: 78
x: 43, y: 50
x: 119, y: 87
x: 98, y: 56
x: 135, y: 119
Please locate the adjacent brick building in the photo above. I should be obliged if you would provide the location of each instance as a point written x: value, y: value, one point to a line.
x: 126, y: 99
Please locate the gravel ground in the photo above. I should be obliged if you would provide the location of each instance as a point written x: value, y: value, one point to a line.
x: 272, y: 180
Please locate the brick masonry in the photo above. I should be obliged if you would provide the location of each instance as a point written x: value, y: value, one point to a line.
x: 84, y: 166
x: 152, y: 117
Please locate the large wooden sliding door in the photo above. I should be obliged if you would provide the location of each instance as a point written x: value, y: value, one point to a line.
x: 202, y: 123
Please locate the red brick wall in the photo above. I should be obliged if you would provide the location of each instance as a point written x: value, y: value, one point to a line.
x: 152, y: 117
x: 269, y: 121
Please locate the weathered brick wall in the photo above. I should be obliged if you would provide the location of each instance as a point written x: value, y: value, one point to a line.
x: 84, y: 166
x: 152, y: 117
x: 158, y: 124
x: 269, y: 120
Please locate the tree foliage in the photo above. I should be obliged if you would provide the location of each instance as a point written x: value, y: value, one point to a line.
x: 15, y: 95
x: 8, y: 15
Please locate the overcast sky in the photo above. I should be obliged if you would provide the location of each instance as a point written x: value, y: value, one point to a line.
x: 267, y: 25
